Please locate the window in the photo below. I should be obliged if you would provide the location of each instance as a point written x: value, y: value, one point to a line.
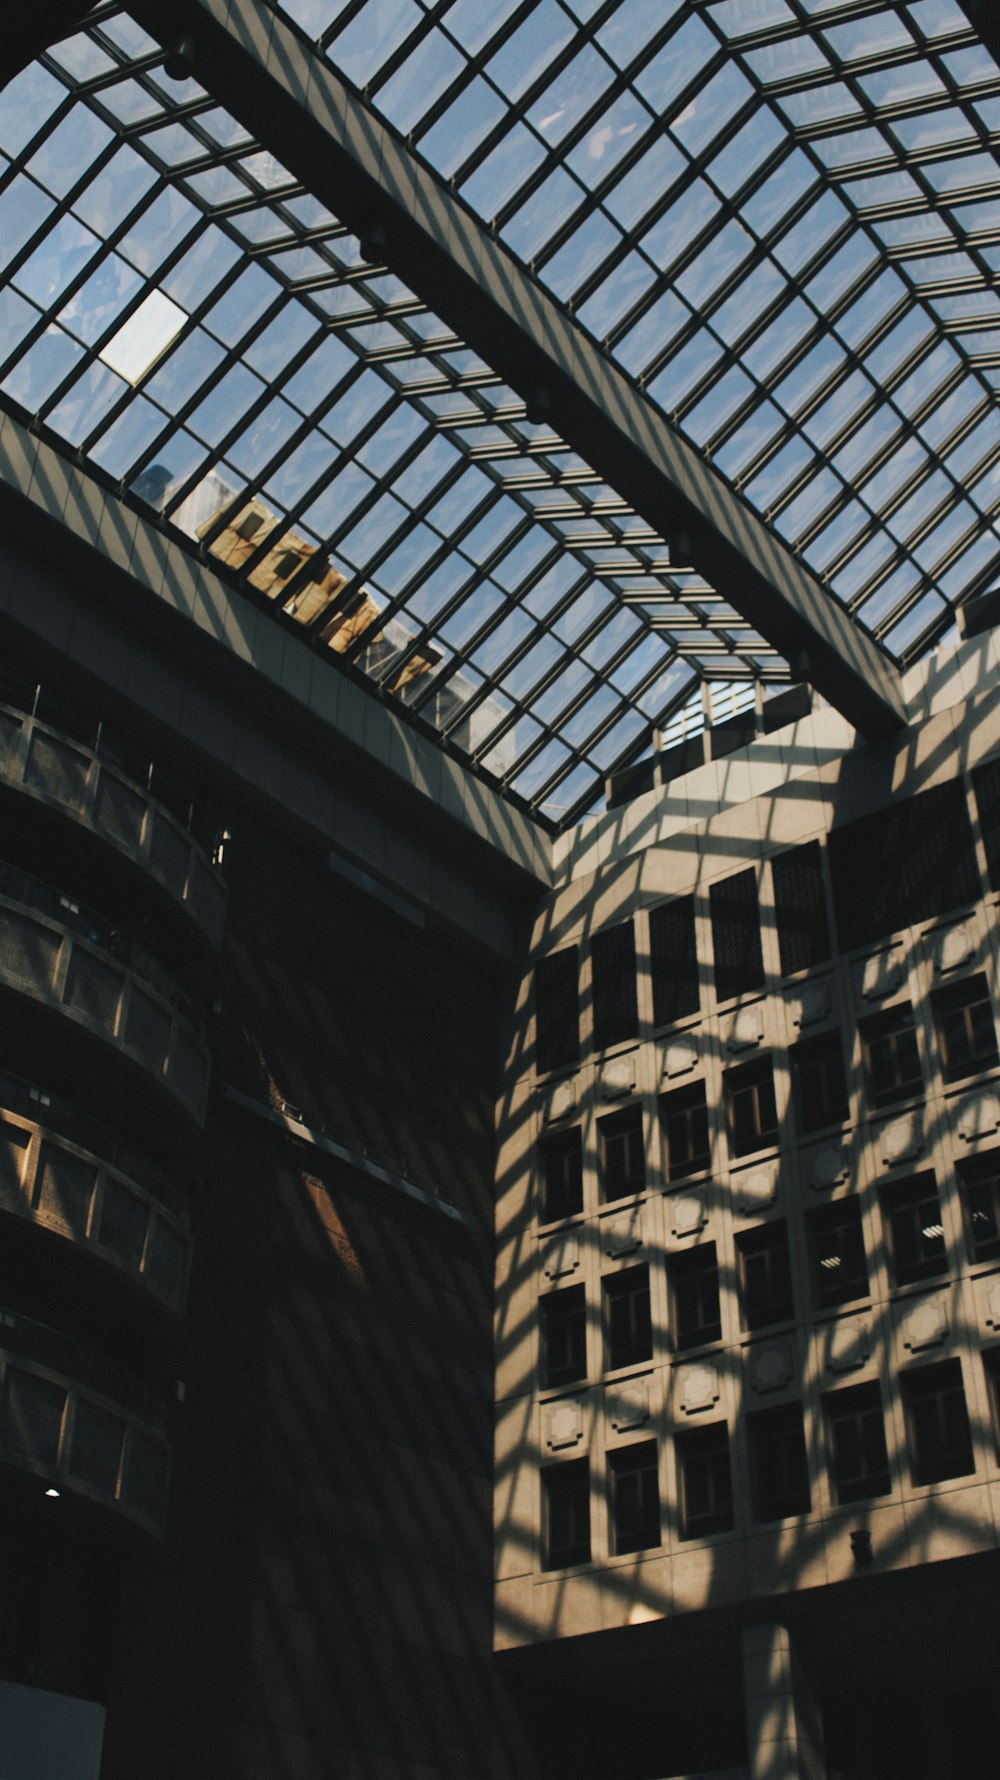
x: 694, y: 1290
x: 623, y: 1160
x: 937, y: 1422
x: 778, y: 1462
x: 765, y: 1275
x: 566, y: 1514
x: 820, y: 1083
x: 911, y: 1211
x: 634, y: 1482
x: 564, y: 1336
x: 612, y: 958
x: 627, y: 1323
x: 837, y: 1249
x: 673, y: 961
x: 980, y: 1178
x: 706, y: 1481
x: 892, y: 1061
x: 739, y: 961
x: 753, y: 1116
x: 562, y: 1174
x: 557, y: 1019
x: 684, y: 1122
x: 903, y: 864
x: 800, y: 908
x: 859, y: 1462
x: 963, y: 1015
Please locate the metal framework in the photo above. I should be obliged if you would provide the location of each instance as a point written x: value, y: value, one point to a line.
x: 742, y: 260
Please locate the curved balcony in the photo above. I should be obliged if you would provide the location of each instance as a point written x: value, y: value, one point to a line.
x: 74, y: 779
x: 64, y: 956
x: 80, y: 1423
x: 67, y: 1173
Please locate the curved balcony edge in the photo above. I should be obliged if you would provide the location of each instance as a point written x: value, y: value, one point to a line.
x: 72, y: 778
x: 79, y: 1195
x: 80, y: 1440
x: 49, y: 962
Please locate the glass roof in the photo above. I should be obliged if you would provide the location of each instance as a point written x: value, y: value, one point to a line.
x: 779, y: 217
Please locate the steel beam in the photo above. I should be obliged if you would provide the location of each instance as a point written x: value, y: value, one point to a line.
x: 293, y: 102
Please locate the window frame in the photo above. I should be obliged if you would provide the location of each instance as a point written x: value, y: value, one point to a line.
x: 769, y: 1243
x: 751, y: 1085
x: 979, y: 1176
x: 720, y: 1517
x: 688, y: 1104
x: 561, y: 1146
x: 833, y: 1106
x: 823, y: 1225
x: 572, y: 1310
x: 571, y: 1493
x: 784, y: 1429
x: 859, y: 1408
x: 638, y: 1465
x: 693, y: 1262
x: 625, y: 1128
x: 951, y: 1000
x: 917, y: 1386
x: 626, y: 1297
x: 910, y: 1200
x: 881, y: 1037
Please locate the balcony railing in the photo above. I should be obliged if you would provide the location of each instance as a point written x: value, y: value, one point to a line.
x: 75, y: 776
x: 68, y: 1173
x: 74, y: 1419
x: 63, y: 954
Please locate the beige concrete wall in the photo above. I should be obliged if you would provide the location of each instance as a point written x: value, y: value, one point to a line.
x: 640, y: 860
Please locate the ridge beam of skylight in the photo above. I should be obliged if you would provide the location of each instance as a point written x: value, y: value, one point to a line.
x: 292, y: 101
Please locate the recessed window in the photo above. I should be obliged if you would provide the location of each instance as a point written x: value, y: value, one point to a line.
x: 735, y: 915
x: 684, y: 1121
x: 623, y: 1157
x: 706, y: 1481
x: 911, y: 1212
x: 566, y: 1514
x: 634, y: 1484
x: 694, y: 1292
x: 800, y: 907
x: 937, y: 1422
x: 627, y: 1321
x: 561, y: 1157
x: 673, y: 960
x: 612, y: 959
x: 980, y: 1178
x: 765, y: 1275
x: 892, y: 1060
x: 859, y: 1462
x: 557, y: 1013
x: 837, y: 1251
x: 564, y: 1336
x: 963, y: 1015
x: 820, y: 1083
x: 778, y: 1462
x: 753, y: 1116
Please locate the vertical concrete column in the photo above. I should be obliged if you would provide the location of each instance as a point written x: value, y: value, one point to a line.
x: 784, y: 1732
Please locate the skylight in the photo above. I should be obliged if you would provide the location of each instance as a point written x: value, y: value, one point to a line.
x: 780, y: 218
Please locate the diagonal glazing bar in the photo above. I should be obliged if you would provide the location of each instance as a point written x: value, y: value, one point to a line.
x: 294, y: 102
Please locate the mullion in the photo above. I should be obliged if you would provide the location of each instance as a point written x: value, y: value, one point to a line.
x: 474, y: 65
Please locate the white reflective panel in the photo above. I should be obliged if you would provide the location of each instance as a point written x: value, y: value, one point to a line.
x: 144, y: 338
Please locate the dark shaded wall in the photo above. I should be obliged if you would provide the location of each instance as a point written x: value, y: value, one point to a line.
x: 322, y: 1605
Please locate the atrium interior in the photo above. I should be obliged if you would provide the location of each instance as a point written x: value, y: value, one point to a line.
x: 500, y: 778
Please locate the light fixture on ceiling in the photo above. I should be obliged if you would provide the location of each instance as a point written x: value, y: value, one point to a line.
x: 373, y: 242
x: 178, y: 63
